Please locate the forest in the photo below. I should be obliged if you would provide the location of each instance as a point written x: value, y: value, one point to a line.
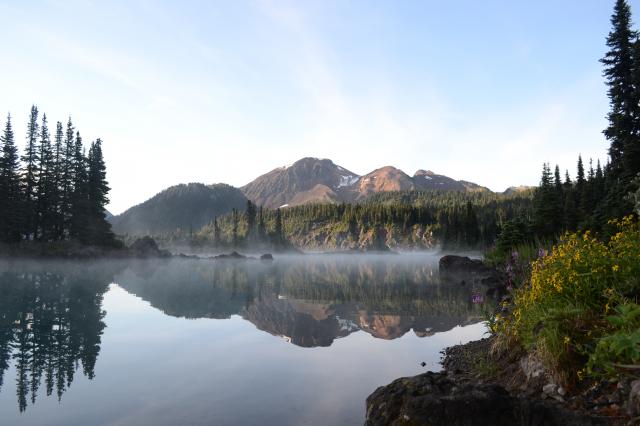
x: 409, y: 220
x: 55, y: 190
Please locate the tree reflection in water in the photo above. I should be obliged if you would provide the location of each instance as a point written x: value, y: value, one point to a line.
x: 51, y: 322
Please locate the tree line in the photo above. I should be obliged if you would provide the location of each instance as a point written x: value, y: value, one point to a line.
x: 597, y: 195
x: 417, y: 219
x: 55, y: 190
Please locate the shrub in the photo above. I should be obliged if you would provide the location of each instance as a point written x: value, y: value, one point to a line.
x: 565, y: 312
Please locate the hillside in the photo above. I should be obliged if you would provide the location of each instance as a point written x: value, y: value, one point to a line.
x: 184, y: 206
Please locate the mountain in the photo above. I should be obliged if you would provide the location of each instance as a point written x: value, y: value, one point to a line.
x: 518, y: 189
x: 320, y: 180
x: 310, y: 179
x: 182, y: 206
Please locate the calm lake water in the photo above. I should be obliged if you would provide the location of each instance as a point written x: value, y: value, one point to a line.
x: 301, y: 340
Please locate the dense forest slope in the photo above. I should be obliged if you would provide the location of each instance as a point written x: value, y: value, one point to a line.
x: 182, y: 206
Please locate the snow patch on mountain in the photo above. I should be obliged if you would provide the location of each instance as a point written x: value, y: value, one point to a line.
x: 347, y: 180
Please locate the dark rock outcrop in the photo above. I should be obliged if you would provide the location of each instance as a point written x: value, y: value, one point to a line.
x: 464, y: 270
x: 267, y: 257
x: 436, y: 399
x: 234, y: 255
x: 147, y: 247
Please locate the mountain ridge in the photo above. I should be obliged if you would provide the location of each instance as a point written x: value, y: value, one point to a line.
x: 321, y: 180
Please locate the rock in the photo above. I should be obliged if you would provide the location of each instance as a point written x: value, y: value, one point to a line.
x: 550, y: 389
x: 436, y: 399
x: 462, y: 269
x: 234, y: 255
x: 266, y: 256
x: 633, y: 403
x: 147, y: 247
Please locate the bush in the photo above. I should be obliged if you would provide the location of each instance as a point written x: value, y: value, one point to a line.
x: 565, y: 312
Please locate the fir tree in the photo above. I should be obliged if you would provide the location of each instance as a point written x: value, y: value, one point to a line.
x: 618, y: 71
x: 30, y: 160
x: 67, y: 179
x: 545, y: 204
x: 261, y: 226
x: 10, y: 194
x: 44, y: 189
x: 98, y: 189
x: 79, y: 208
x: 278, y: 235
x: 622, y: 131
x: 250, y: 217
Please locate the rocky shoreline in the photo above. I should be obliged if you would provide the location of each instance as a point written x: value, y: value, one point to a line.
x: 483, y: 384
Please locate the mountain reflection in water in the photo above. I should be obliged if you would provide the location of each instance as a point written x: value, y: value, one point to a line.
x: 51, y: 316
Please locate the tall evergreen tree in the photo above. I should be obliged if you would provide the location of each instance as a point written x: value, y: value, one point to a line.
x: 622, y: 131
x: 98, y: 189
x: 250, y: 217
x: 10, y: 194
x: 30, y: 160
x: 44, y: 190
x: 57, y: 175
x: 261, y: 226
x: 618, y: 71
x: 79, y: 208
x: 278, y: 235
x: 546, y: 207
x: 67, y: 179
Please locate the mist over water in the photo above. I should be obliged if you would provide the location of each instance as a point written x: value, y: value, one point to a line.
x: 300, y: 340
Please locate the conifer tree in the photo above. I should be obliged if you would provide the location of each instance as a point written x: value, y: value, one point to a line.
x: 545, y: 204
x: 261, y: 226
x: 30, y: 160
x: 98, y: 189
x: 623, y: 129
x: 67, y: 179
x: 618, y: 71
x: 10, y: 194
x: 250, y: 217
x: 45, y: 184
x: 79, y: 222
x: 278, y: 236
x: 57, y: 174
x: 216, y: 232
x: 234, y: 229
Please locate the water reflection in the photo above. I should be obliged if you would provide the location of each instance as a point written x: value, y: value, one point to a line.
x: 52, y: 320
x: 312, y: 301
x: 50, y: 326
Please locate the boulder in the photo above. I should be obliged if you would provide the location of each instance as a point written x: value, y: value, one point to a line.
x: 436, y: 399
x: 147, y: 247
x: 462, y: 269
x: 266, y: 257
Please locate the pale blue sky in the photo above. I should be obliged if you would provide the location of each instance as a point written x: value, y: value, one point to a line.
x: 222, y: 91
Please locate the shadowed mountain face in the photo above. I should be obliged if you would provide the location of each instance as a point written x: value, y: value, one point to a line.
x: 320, y: 180
x: 180, y: 207
x: 310, y: 301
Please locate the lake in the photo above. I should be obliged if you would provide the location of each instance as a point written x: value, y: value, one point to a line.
x: 302, y: 340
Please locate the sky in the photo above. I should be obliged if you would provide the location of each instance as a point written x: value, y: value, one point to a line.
x: 224, y: 91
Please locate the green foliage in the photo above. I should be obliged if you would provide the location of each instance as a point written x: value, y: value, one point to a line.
x: 564, y: 313
x: 618, y: 352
